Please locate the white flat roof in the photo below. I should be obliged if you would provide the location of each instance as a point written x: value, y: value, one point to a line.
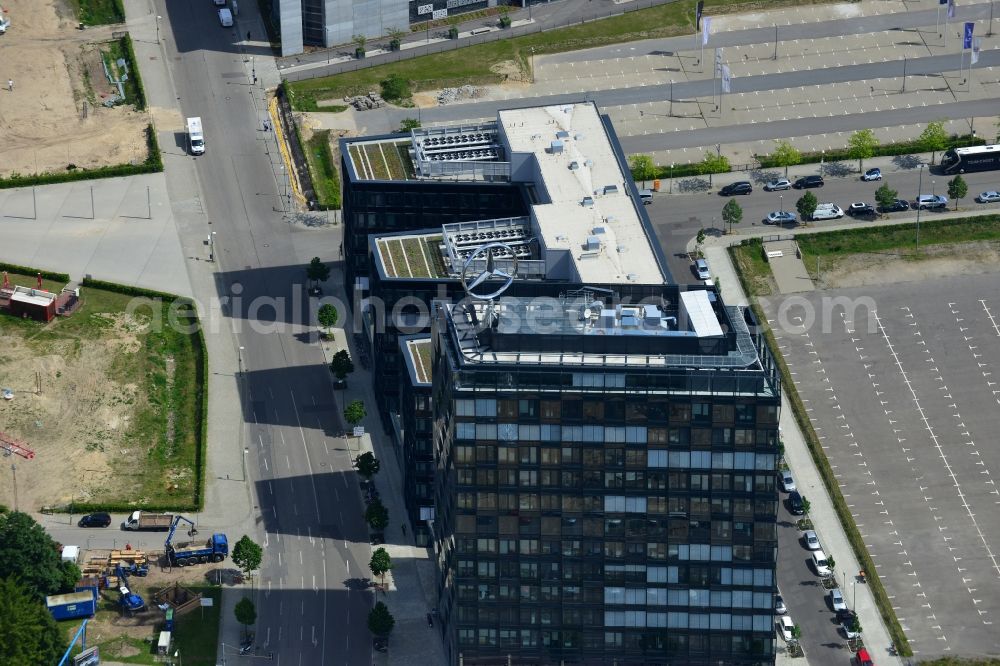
x: 625, y: 253
x: 704, y: 322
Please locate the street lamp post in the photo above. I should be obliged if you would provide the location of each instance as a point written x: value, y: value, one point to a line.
x: 920, y: 181
x: 671, y: 112
x: 904, y: 75
x: 775, y: 41
x: 245, y: 452
x: 933, y: 187
x: 781, y: 203
x: 822, y: 159
x: 671, y: 178
x: 532, y: 56
x: 158, y: 29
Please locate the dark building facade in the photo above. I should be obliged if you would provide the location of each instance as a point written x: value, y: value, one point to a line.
x: 614, y: 507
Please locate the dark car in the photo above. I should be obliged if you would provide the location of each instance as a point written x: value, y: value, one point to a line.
x: 94, y: 520
x: 861, y: 209
x: 740, y: 187
x: 808, y: 181
x: 899, y: 205
x: 795, y: 506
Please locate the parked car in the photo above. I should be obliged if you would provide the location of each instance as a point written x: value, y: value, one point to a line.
x: 786, y: 480
x: 931, y: 201
x: 820, y: 563
x: 811, y: 540
x: 4, y: 24
x: 828, y: 211
x: 862, y: 658
x: 785, y: 626
x: 861, y: 209
x: 795, y: 506
x: 700, y: 268
x: 94, y: 520
x: 739, y: 187
x: 780, y: 217
x: 872, y: 174
x: 988, y: 197
x: 837, y: 600
x: 897, y: 206
x: 778, y: 184
x: 847, y: 619
x: 779, y: 605
x: 808, y: 181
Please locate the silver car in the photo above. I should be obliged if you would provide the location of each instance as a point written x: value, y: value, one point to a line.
x: 988, y: 197
x: 837, y: 599
x: 811, y: 540
x: 778, y: 184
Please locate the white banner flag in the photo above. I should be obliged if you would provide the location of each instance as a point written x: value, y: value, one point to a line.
x: 706, y: 28
x: 718, y: 61
x: 975, y: 49
x: 727, y: 80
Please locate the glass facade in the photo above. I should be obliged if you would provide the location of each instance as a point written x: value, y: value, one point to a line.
x: 586, y: 523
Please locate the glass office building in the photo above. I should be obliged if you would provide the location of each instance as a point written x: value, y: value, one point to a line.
x: 605, y: 481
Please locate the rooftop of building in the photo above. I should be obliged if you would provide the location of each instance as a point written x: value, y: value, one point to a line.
x: 417, y: 353
x: 588, y: 327
x: 590, y: 209
x: 586, y: 224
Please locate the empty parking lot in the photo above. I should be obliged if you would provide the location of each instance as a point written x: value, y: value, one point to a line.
x: 902, y: 385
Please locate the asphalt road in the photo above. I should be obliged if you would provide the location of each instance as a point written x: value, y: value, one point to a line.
x: 312, y: 607
x: 678, y: 217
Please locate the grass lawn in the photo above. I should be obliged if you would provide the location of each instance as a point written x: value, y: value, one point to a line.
x: 114, y: 51
x: 99, y: 12
x: 324, y: 173
x: 897, y: 239
x: 120, y: 336
x: 749, y: 260
x: 471, y: 64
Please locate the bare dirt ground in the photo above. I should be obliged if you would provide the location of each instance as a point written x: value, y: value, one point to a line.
x: 77, y: 426
x: 939, y: 261
x: 56, y: 71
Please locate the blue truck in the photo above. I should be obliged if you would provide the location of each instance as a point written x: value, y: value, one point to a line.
x: 72, y: 605
x: 214, y: 550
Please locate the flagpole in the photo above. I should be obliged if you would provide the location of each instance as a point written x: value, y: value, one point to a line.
x: 937, y: 24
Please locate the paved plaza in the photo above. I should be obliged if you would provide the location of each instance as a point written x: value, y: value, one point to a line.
x: 899, y: 384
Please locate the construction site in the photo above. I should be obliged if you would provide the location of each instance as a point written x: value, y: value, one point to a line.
x: 142, y: 606
x: 62, y: 111
x: 98, y: 402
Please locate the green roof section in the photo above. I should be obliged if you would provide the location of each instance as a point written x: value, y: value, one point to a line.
x: 419, y: 351
x: 412, y: 256
x: 382, y: 160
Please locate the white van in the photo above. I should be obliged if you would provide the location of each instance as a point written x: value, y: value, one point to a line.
x: 646, y: 197
x: 828, y: 211
x: 196, y: 137
x: 226, y: 17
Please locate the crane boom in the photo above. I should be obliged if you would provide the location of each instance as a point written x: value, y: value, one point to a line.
x: 173, y: 528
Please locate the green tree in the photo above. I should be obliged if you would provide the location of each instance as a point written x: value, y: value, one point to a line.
x: 380, y: 620
x: 786, y: 155
x: 713, y: 163
x: 247, y: 555
x: 28, y: 634
x: 957, y: 189
x: 246, y: 613
x: 408, y: 124
x: 885, y: 196
x: 380, y: 563
x: 796, y: 632
x: 317, y: 271
x: 327, y: 316
x: 341, y: 365
x: 395, y: 36
x: 806, y: 506
x: 933, y: 138
x: 376, y: 515
x: 806, y: 205
x: 699, y: 240
x: 28, y: 552
x: 355, y: 412
x: 368, y: 465
x: 862, y: 145
x: 359, y: 44
x: 732, y: 213
x: 643, y: 168
x: 395, y: 88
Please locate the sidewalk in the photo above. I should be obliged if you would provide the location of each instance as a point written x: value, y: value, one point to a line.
x: 808, y: 479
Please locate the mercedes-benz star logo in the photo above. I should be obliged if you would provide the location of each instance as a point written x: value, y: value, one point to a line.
x: 491, y: 272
